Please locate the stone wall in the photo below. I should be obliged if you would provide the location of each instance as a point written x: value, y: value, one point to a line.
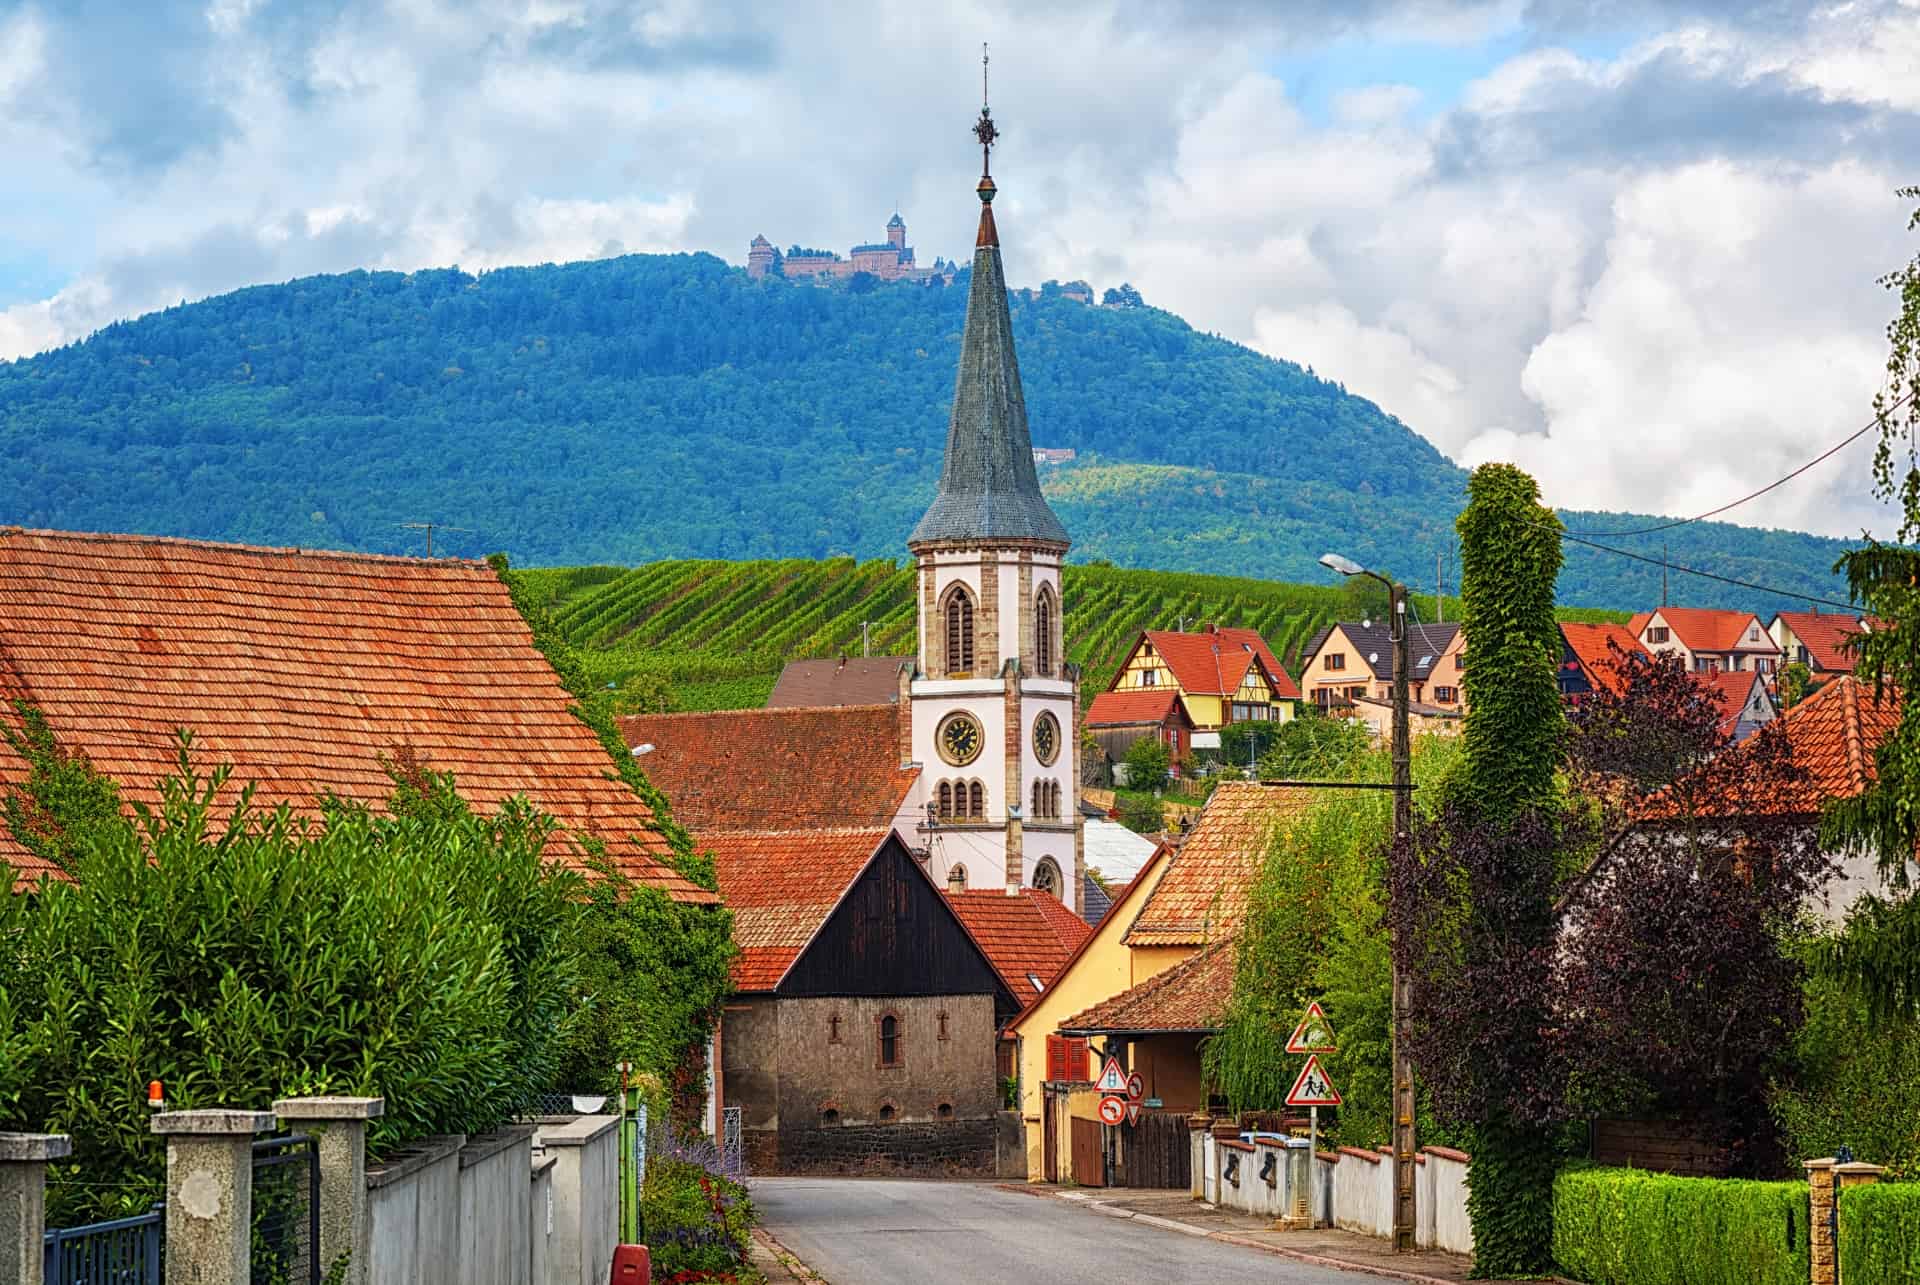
x: 956, y: 1148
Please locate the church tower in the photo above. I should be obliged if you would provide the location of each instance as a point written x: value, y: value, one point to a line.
x: 993, y: 704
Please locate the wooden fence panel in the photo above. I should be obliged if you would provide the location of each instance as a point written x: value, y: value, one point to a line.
x: 1159, y: 1152
x: 1664, y: 1146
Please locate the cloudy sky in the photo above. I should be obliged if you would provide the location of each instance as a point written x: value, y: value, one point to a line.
x: 1631, y: 246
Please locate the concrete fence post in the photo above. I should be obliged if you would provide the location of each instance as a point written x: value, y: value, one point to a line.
x: 210, y: 1193
x: 585, y: 1198
x: 23, y: 1201
x: 339, y: 1125
x: 1199, y: 1133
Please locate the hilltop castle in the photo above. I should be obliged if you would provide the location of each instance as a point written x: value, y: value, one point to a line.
x: 889, y: 260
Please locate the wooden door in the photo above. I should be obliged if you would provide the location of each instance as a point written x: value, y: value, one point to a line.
x: 1089, y: 1168
x: 1050, y: 1135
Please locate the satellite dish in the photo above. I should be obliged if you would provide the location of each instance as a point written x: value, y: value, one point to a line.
x: 1373, y: 658
x: 1365, y: 623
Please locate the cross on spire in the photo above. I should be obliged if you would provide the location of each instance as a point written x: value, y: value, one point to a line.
x: 984, y: 129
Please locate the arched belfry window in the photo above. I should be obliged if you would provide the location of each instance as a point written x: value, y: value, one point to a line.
x: 1044, y: 628
x: 959, y: 631
x: 946, y: 800
x: 976, y: 801
x: 1046, y: 877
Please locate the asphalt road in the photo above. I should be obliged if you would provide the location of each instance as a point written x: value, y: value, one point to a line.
x: 865, y: 1232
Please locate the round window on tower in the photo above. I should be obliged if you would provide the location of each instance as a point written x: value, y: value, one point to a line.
x: 1046, y: 739
x: 959, y: 739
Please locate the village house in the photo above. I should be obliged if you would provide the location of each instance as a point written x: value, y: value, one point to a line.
x: 1117, y: 719
x: 1707, y: 640
x: 1354, y: 659
x: 1817, y: 640
x: 1593, y: 658
x: 1745, y: 698
x: 307, y: 672
x: 1222, y: 676
x: 1148, y: 985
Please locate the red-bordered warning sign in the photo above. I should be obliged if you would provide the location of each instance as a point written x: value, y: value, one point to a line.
x: 1314, y: 1034
x: 1112, y: 1078
x: 1133, y: 1111
x: 1313, y: 1088
x: 1112, y: 1109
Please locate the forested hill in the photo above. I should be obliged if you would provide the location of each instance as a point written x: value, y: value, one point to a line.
x: 646, y: 407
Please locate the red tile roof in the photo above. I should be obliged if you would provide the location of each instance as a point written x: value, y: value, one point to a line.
x: 1833, y: 735
x: 849, y: 680
x: 1283, y: 683
x: 1215, y: 663
x: 301, y: 669
x: 1136, y: 705
x: 1822, y: 634
x: 781, y: 886
x: 1029, y: 933
x: 1638, y: 623
x: 1190, y: 996
x: 1203, y: 895
x: 1702, y: 629
x: 1601, y: 649
x: 773, y: 769
x: 1731, y: 689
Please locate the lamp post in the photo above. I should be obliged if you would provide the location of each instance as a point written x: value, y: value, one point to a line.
x: 1403, y: 1104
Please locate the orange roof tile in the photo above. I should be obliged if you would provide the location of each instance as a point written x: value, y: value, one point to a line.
x: 1190, y: 996
x: 768, y: 769
x: 1822, y: 634
x: 781, y: 886
x: 1638, y: 622
x: 1703, y: 629
x: 1135, y: 705
x: 1029, y: 933
x: 301, y: 668
x: 1283, y: 684
x: 1202, y: 663
x: 1203, y: 895
x: 1833, y: 735
x: 1730, y: 690
x: 1601, y: 649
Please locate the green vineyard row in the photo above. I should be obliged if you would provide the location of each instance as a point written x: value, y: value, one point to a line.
x: 718, y: 632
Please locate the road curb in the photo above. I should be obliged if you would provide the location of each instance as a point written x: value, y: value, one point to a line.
x: 1227, y: 1238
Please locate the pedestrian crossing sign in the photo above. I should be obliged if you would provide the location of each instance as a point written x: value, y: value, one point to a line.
x: 1314, y: 1034
x: 1313, y: 1088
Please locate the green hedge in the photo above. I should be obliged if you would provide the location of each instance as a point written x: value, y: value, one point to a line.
x: 1880, y: 1233
x: 1629, y: 1227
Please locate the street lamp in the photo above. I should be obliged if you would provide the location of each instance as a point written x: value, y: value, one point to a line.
x: 1403, y: 1141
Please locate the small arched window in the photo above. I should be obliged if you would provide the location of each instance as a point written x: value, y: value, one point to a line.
x: 1038, y: 795
x: 1043, y: 631
x: 1054, y: 795
x: 959, y: 631
x: 946, y: 800
x: 1046, y: 877
x: 889, y: 1040
x: 976, y: 801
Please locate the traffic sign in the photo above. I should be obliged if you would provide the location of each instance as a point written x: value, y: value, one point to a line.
x: 1314, y: 1034
x: 1136, y: 1087
x: 1112, y: 1078
x: 1112, y: 1110
x: 1313, y: 1088
x: 1133, y: 1111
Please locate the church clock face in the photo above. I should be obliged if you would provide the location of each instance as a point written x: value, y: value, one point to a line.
x: 960, y: 739
x: 1046, y: 739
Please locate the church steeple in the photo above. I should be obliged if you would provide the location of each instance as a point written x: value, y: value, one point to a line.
x: 989, y: 490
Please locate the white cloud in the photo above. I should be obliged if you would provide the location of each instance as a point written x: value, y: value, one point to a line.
x: 1649, y: 278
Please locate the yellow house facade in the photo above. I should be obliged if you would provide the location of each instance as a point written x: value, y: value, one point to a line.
x: 1223, y: 676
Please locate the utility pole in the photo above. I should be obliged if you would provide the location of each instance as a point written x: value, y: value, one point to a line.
x: 1439, y: 588
x: 865, y: 639
x: 1403, y: 1101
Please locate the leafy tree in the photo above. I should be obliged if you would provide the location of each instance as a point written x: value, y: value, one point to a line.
x: 1472, y: 904
x: 63, y: 799
x: 1147, y: 760
x: 1143, y: 814
x: 1795, y: 682
x: 1878, y: 953
x: 1312, y: 746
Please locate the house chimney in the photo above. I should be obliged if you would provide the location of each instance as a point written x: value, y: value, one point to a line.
x: 956, y: 880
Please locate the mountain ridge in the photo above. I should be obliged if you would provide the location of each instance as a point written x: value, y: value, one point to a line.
x: 647, y: 407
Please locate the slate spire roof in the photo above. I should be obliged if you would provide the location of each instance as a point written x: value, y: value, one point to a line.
x: 988, y: 488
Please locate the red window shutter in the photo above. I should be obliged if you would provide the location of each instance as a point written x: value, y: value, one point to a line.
x: 1077, y: 1060
x: 1056, y: 1058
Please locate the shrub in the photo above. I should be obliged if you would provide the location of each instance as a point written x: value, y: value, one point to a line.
x: 240, y: 955
x: 1880, y: 1233
x: 695, y: 1218
x: 1854, y: 1082
x: 1147, y: 760
x: 1629, y: 1227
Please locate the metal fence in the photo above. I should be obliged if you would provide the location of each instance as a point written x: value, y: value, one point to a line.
x: 286, y: 1211
x: 732, y: 1161
x: 125, y: 1251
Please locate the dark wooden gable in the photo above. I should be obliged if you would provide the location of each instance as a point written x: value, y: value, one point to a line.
x: 892, y: 934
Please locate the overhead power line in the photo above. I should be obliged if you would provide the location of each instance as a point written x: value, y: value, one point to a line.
x: 1708, y: 575
x: 1821, y: 458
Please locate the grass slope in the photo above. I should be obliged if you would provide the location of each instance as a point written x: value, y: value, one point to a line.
x: 719, y: 632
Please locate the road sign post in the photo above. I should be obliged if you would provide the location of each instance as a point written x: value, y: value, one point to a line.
x: 1312, y: 1090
